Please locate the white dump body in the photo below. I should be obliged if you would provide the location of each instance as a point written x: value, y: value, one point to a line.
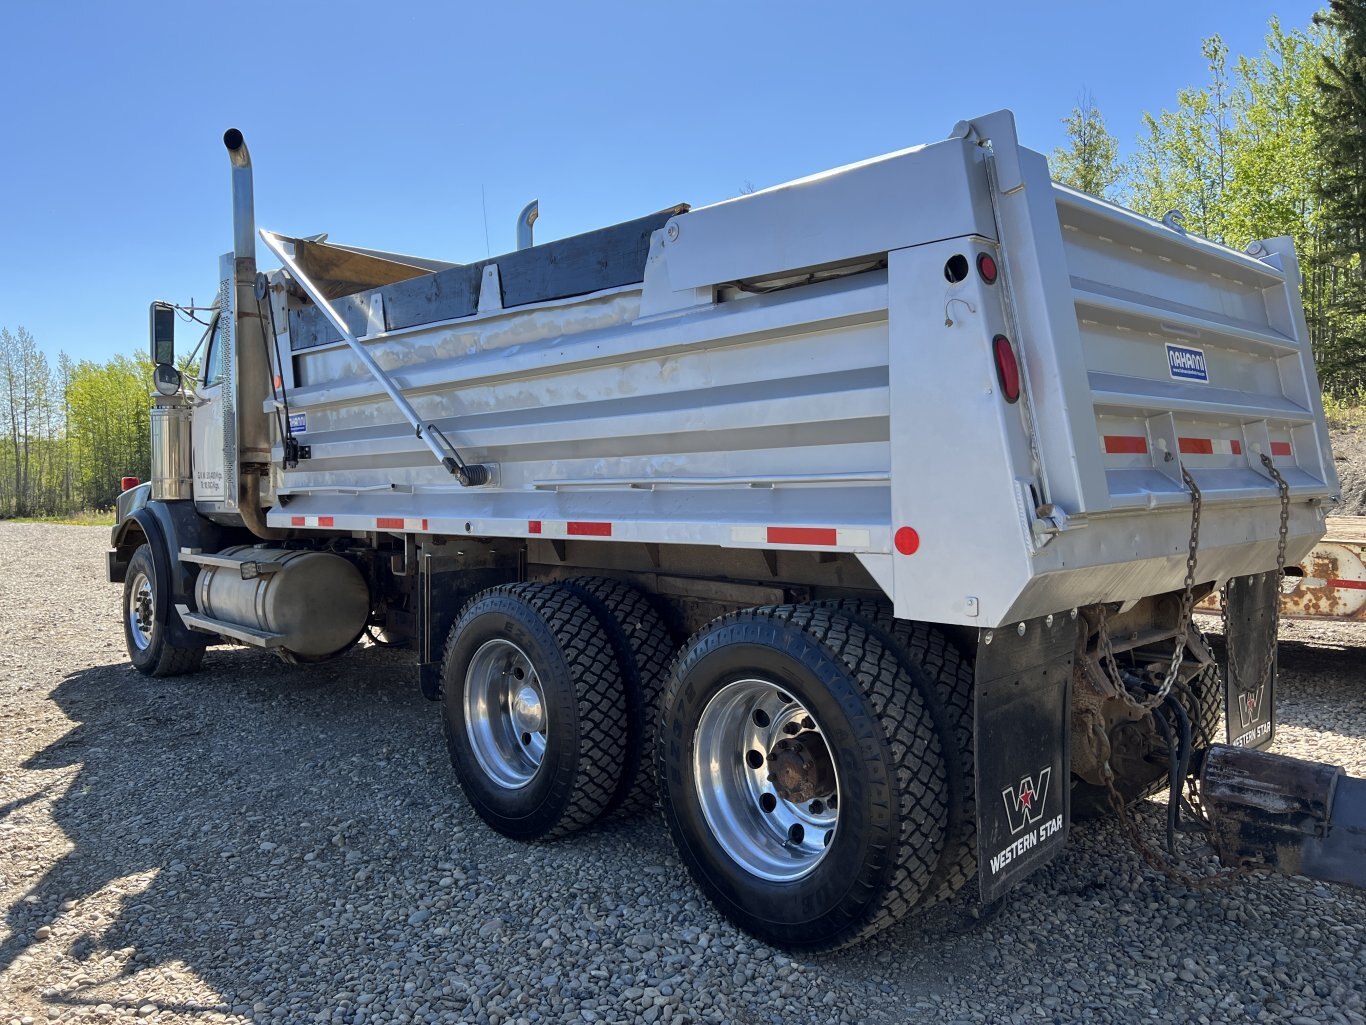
x: 846, y: 398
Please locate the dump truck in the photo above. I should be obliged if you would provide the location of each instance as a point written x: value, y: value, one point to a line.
x: 855, y: 524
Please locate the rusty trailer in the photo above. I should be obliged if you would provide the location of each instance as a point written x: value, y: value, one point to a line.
x: 1331, y: 581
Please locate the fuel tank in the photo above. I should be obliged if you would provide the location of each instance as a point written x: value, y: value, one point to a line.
x: 314, y: 603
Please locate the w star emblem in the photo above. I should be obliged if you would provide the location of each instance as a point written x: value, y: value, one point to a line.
x: 1250, y: 706
x: 1025, y: 802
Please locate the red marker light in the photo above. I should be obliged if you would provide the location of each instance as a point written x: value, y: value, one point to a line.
x: 986, y: 266
x: 128, y: 482
x: 1007, y: 369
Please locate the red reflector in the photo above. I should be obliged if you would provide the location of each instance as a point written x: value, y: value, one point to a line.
x: 907, y: 541
x: 1124, y: 444
x: 986, y: 266
x: 588, y: 529
x: 802, y: 536
x: 128, y: 482
x: 1281, y: 448
x: 1007, y: 370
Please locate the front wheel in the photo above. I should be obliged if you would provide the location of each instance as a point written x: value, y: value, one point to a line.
x: 801, y: 778
x: 144, y: 633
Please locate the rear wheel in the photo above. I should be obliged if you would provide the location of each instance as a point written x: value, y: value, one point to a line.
x: 144, y: 634
x: 800, y: 776
x: 535, y: 710
x: 944, y: 679
x: 644, y: 646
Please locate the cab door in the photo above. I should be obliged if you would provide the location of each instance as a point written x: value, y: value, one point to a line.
x: 207, y: 424
x: 212, y: 427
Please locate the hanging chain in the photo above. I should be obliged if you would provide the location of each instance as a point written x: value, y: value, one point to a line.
x: 1151, y: 857
x: 1183, y: 621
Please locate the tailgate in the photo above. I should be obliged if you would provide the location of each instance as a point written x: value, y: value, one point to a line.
x: 1195, y: 355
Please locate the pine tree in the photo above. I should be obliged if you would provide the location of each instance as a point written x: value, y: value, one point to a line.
x: 1341, y: 193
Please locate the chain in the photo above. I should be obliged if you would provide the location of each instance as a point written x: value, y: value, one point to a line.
x: 1107, y: 650
x: 1183, y: 621
x: 1152, y: 858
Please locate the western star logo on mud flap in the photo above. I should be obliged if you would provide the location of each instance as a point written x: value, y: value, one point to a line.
x: 1025, y: 805
x: 1250, y: 717
x: 1250, y: 706
x: 1186, y: 363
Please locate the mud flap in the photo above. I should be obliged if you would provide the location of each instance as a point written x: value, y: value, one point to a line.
x: 1023, y: 759
x: 1249, y: 700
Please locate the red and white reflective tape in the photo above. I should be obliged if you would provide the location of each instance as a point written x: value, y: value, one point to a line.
x: 816, y: 537
x: 569, y: 528
x: 400, y: 523
x: 1137, y: 445
x: 1210, y: 447
x: 310, y: 521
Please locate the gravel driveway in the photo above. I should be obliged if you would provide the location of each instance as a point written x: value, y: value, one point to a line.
x: 265, y: 843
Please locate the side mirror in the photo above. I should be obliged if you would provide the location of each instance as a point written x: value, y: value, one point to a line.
x: 163, y: 334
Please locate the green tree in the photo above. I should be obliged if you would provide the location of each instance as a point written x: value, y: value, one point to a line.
x: 1090, y: 160
x: 25, y: 391
x: 1242, y: 159
x: 1340, y: 190
x: 1183, y: 160
x: 109, y: 413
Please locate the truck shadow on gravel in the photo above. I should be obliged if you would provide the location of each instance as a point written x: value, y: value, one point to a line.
x: 214, y: 812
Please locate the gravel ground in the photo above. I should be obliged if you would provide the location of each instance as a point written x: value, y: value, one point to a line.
x: 266, y: 843
x: 1349, y: 451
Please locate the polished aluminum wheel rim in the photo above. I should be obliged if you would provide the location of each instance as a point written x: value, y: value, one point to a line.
x: 766, y: 834
x: 505, y: 714
x: 141, y: 610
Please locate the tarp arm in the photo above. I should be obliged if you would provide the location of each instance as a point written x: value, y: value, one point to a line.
x: 469, y: 474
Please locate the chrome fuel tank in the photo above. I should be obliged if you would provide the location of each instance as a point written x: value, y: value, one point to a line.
x: 316, y: 603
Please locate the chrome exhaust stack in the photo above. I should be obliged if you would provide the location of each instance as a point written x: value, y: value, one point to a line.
x: 525, y: 220
x: 243, y: 203
x: 250, y: 368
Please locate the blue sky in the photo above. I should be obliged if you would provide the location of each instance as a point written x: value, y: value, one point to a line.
x: 381, y: 123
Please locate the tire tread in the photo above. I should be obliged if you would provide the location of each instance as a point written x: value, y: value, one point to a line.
x: 946, y: 683
x: 645, y: 647
x: 599, y: 693
x: 916, y: 756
